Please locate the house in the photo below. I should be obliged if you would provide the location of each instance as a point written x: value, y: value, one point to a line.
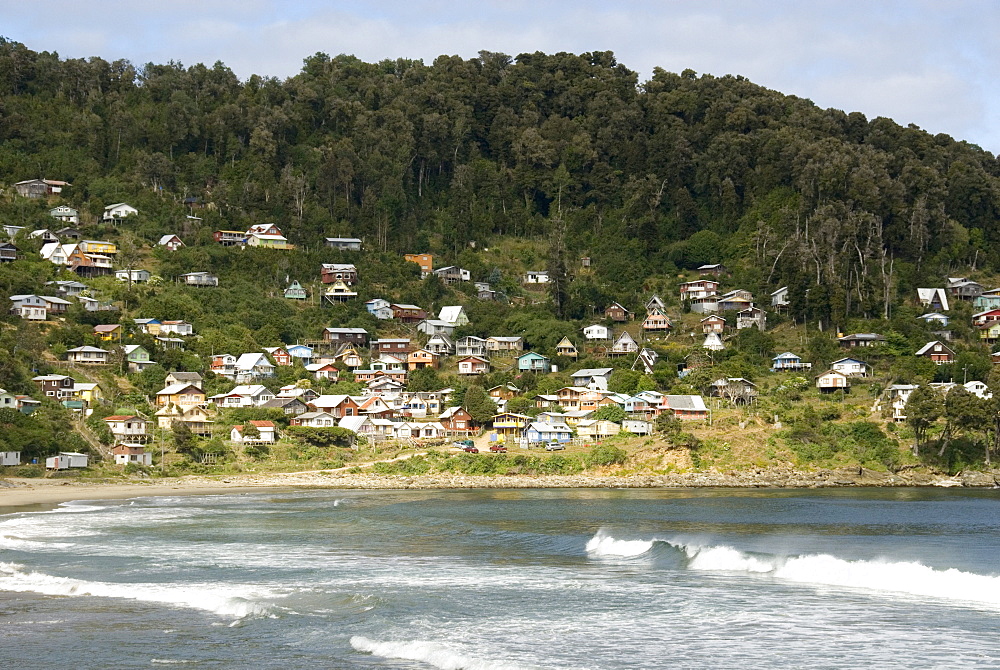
x: 57, y: 254
x: 452, y: 274
x: 860, y: 340
x: 735, y: 301
x: 88, y: 265
x: 344, y: 273
x: 379, y: 308
x: 290, y: 406
x: 440, y: 344
x: 421, y: 358
x: 65, y: 460
x: 30, y: 307
x: 508, y: 426
x: 295, y: 391
x: 398, y: 346
x: 108, y: 332
x: 244, y: 395
x: 646, y: 360
x: 357, y: 336
x: 937, y: 352
x: 473, y: 365
x: 65, y: 214
x: 223, y: 364
x: 176, y: 328
x: 407, y: 313
x: 339, y: 292
x: 534, y: 362
x: 470, y: 346
x: 69, y: 233
x: 788, y: 361
x: 566, y: 348
x: 425, y: 261
x: 148, y: 326
x: 656, y: 322
x: 321, y: 371
x: 9, y: 458
x: 337, y: 405
x: 597, y: 429
x: 983, y: 318
x: 300, y: 352
x: 87, y: 356
x: 713, y: 342
x: 67, y: 287
x: 852, y: 367
x: 195, y: 417
x: 597, y: 332
x: 132, y: 453
x: 455, y: 315
x: 8, y: 252
x: 7, y: 400
x: 616, y: 312
x: 457, y: 420
x: 263, y: 229
x: 134, y: 276
x: 989, y: 332
x: 436, y: 327
x: 538, y: 431
x: 593, y: 378
x: 101, y: 247
x: 713, y: 270
x: 279, y: 355
x: 705, y: 305
x: 502, y: 393
x: 655, y: 303
x: 265, y: 433
x: 963, y: 289
x: 638, y: 426
x: 118, y: 211
x: 935, y: 319
x: 736, y: 390
x: 359, y: 425
x: 344, y: 243
x: 779, y: 299
x: 988, y: 300
x: 198, y: 279
x: 702, y: 288
x: 624, y: 345
x: 296, y: 291
x: 128, y: 428
x: 264, y: 241
x: 831, y: 380
x: 59, y: 387
x: 230, y: 238
x: 39, y: 188
x: 253, y: 366
x: 192, y: 378
x: 170, y: 242
x: 504, y: 346
x: 751, y: 317
x: 55, y: 305
x: 349, y: 358
x: 180, y: 394
x: 684, y: 406
x: 536, y: 277
x: 713, y: 324
x: 44, y: 234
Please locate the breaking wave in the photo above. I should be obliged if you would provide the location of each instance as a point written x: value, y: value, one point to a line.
x: 876, y: 576
x: 227, y: 603
x: 431, y: 653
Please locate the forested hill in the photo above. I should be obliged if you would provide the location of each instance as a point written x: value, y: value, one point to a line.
x: 644, y: 177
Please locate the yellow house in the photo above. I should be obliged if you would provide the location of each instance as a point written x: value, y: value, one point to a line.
x: 108, y: 332
x: 88, y: 392
x: 98, y: 247
x: 990, y: 332
x: 182, y: 395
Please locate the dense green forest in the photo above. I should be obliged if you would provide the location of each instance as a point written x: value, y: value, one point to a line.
x: 646, y: 178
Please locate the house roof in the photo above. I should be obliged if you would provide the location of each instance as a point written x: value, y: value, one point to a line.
x: 592, y: 372
x: 687, y: 402
x: 87, y: 349
x: 174, y: 389
x: 451, y: 313
x: 927, y: 347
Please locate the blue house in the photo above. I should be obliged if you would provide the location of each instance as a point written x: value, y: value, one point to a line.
x: 788, y: 361
x: 548, y: 432
x: 379, y: 308
x: 534, y: 362
x: 986, y: 301
x: 936, y: 318
x: 301, y: 352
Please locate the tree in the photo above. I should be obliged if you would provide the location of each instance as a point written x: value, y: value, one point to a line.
x: 478, y: 404
x: 923, y: 408
x: 613, y: 413
x: 184, y: 439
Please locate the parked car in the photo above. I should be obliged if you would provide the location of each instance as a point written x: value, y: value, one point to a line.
x: 471, y: 450
x: 499, y: 448
x: 462, y: 444
x: 554, y: 446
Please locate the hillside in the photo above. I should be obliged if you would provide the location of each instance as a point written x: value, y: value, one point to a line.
x: 618, y: 189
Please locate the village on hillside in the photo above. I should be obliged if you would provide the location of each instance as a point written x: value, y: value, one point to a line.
x: 377, y: 385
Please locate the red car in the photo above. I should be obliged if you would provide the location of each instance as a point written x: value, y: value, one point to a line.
x: 471, y: 450
x: 499, y: 448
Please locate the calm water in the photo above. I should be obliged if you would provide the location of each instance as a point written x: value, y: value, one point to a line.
x: 507, y: 579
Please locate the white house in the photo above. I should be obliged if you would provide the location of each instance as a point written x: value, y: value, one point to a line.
x: 245, y: 395
x: 831, y: 380
x: 851, y: 367
x: 118, y: 211
x: 135, y: 276
x: 454, y: 314
x: 252, y: 366
x: 266, y: 430
x: 10, y: 458
x: 65, y: 214
x: 132, y: 453
x: 597, y: 332
x: 596, y: 379
x: 171, y: 242
x: 65, y: 460
x: 536, y: 277
x: 713, y: 342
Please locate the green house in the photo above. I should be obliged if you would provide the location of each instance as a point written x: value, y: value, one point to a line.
x: 534, y: 362
x: 295, y: 291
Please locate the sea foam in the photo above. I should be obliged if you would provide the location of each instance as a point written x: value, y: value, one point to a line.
x: 605, y: 545
x: 234, y: 602
x: 431, y: 653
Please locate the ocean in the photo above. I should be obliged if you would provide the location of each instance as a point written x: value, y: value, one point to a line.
x: 507, y: 579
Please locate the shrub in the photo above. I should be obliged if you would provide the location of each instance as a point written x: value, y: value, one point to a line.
x: 605, y: 454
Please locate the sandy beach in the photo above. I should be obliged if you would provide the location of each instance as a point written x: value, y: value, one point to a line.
x: 18, y: 494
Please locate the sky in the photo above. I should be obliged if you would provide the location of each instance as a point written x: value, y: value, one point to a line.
x: 922, y: 62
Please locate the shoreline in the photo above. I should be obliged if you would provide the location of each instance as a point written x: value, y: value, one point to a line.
x: 19, y: 493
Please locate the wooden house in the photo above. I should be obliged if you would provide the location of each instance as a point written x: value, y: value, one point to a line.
x: 8, y: 252
x: 296, y: 291
x: 456, y: 420
x: 65, y: 214
x: 534, y: 362
x: 454, y: 314
x: 779, y: 299
x: 397, y: 346
x: 344, y: 243
x: 852, y: 367
x: 39, y: 188
x: 87, y: 356
x: 596, y: 332
x: 566, y: 348
x: 712, y: 270
x: 471, y: 346
x: 933, y: 298
x: 128, y: 428
x: 181, y: 394
x: 593, y: 378
x: 701, y: 288
x: 109, y: 332
x: 230, y: 238
x: 617, y: 312
x: 170, y: 242
x: 504, y: 346
x: 421, y: 358
x: 118, y: 211
x: 379, y: 308
x: 656, y: 322
x: 356, y: 336
x: 338, y: 292
x: 441, y: 345
x: 473, y: 365
x: 425, y: 261
x: 684, y: 406
x: 751, y: 317
x: 199, y: 279
x: 624, y: 345
x: 860, y: 340
x: 788, y: 361
x: 964, y: 289
x: 407, y: 313
x: 30, y: 307
x: 345, y: 273
x: 937, y: 352
x: 831, y: 381
x: 452, y: 274
x: 713, y: 324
